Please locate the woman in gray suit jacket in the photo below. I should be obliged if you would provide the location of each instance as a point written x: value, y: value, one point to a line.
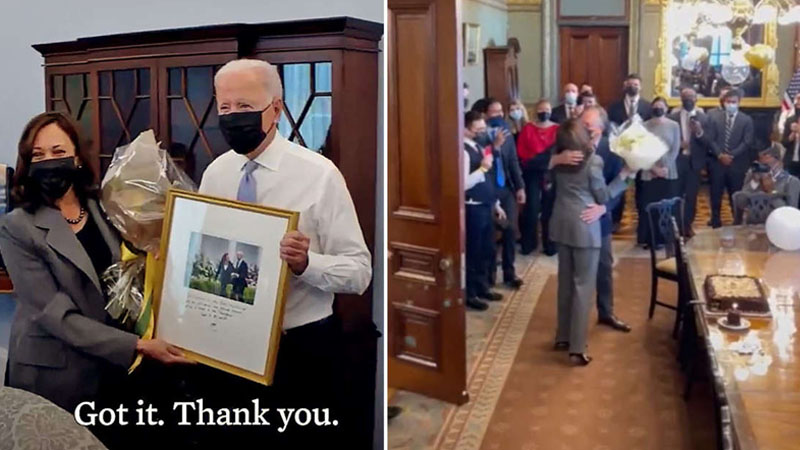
x: 56, y: 244
x: 578, y: 187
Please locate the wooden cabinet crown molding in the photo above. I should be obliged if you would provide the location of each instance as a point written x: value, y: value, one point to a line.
x: 345, y: 33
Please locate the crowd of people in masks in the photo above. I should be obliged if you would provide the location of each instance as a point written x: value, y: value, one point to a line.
x: 556, y: 174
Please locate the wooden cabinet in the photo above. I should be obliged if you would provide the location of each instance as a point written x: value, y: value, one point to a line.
x: 500, y: 72
x: 119, y: 85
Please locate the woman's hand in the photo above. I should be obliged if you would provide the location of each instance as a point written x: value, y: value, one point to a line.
x: 161, y: 351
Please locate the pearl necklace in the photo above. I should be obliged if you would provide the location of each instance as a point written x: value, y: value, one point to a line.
x: 78, y: 220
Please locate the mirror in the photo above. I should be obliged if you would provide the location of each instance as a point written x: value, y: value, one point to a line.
x: 710, y: 53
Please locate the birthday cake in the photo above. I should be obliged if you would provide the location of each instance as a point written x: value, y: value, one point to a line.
x: 722, y: 291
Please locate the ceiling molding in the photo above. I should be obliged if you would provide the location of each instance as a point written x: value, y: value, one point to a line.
x: 502, y: 5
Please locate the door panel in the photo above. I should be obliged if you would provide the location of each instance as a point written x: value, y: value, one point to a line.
x: 597, y: 55
x: 427, y: 340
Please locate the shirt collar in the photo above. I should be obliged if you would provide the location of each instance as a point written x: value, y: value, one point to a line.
x: 272, y: 155
x: 470, y: 142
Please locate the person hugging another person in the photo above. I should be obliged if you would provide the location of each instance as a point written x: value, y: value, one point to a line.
x: 578, y: 186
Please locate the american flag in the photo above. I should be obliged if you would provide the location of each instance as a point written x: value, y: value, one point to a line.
x: 787, y: 105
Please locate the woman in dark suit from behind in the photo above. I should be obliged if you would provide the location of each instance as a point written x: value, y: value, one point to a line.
x: 224, y: 274
x: 56, y: 244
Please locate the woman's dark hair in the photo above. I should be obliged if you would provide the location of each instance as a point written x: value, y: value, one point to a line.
x: 25, y: 192
x: 224, y: 257
x: 659, y: 99
x: 572, y: 135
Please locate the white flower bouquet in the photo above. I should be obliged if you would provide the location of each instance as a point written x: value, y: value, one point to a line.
x: 639, y: 148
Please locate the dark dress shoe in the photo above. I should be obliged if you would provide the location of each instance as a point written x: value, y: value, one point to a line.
x: 580, y: 359
x: 550, y: 250
x: 513, y: 283
x: 559, y: 346
x: 491, y: 296
x: 478, y: 305
x: 615, y: 323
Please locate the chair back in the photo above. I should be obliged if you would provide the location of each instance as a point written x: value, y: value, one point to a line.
x: 753, y: 207
x: 659, y: 216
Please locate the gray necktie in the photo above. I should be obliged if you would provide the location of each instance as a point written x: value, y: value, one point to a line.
x: 728, y: 129
x: 247, y: 186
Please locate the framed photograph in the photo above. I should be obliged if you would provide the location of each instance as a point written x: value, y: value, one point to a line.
x: 223, y: 285
x: 472, y: 43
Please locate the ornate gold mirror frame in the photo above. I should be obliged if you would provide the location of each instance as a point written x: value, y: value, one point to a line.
x: 663, y: 75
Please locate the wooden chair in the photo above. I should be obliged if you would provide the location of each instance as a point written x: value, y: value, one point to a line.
x: 753, y: 207
x: 659, y: 215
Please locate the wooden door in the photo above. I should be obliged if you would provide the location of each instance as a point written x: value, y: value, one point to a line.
x: 598, y: 56
x: 427, y: 341
x: 500, y: 74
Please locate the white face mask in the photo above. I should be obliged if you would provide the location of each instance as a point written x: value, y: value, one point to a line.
x: 571, y: 98
x: 516, y: 114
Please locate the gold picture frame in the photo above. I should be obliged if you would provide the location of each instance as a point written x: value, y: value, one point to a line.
x: 472, y: 44
x: 770, y: 79
x: 291, y: 217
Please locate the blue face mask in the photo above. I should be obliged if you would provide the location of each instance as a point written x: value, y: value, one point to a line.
x: 731, y: 108
x: 496, y: 122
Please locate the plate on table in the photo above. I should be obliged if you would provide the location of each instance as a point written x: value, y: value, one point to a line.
x: 744, y: 324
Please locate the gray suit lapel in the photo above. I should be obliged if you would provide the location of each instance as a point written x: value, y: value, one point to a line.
x: 63, y: 240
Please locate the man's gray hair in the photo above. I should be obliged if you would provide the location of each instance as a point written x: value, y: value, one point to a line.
x: 272, y: 81
x: 601, y: 114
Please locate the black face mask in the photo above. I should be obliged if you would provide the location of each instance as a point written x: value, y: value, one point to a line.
x: 243, y: 130
x: 482, y: 139
x: 543, y: 116
x: 632, y: 91
x: 659, y: 112
x: 54, y: 177
x: 688, y: 104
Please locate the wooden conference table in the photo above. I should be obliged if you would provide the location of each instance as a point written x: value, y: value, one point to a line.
x: 763, y: 389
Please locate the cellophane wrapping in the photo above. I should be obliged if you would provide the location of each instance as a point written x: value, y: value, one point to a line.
x: 133, y: 196
x: 639, y: 148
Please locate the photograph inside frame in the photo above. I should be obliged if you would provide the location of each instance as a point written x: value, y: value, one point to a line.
x: 122, y: 335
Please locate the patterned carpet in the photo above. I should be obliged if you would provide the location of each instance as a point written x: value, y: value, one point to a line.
x: 629, y: 397
x: 630, y: 217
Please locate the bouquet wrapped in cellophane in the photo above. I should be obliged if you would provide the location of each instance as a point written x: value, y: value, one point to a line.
x: 133, y: 195
x: 639, y: 148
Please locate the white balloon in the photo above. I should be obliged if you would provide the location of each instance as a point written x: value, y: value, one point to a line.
x: 783, y: 228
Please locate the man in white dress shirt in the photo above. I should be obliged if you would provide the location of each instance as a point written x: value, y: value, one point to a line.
x: 327, y: 254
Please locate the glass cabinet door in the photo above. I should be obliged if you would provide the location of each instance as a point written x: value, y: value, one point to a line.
x: 125, y: 109
x: 69, y: 93
x: 307, y: 98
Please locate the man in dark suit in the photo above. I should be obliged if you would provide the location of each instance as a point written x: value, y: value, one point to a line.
x: 791, y: 140
x: 620, y: 112
x: 510, y: 189
x: 239, y: 277
x: 694, y: 155
x: 569, y: 108
x: 631, y: 103
x: 729, y: 135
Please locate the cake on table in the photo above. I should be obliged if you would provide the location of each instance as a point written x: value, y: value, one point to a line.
x: 722, y: 291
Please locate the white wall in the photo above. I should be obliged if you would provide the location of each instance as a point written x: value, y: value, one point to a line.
x: 23, y: 23
x: 493, y: 20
